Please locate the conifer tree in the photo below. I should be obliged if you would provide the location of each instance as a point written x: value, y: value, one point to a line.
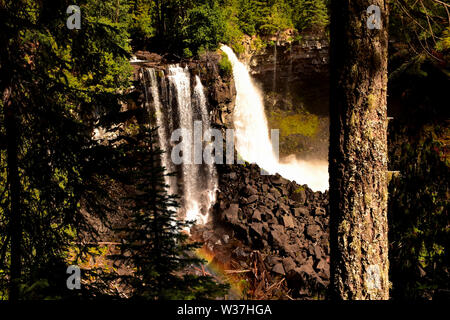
x: 358, y: 153
x: 155, y: 243
x: 310, y: 14
x: 52, y: 80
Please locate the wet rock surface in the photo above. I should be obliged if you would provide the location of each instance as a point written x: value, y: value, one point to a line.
x: 221, y: 91
x: 292, y: 70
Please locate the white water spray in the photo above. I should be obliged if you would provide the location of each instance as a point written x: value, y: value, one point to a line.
x: 252, y: 134
x: 176, y: 106
x: 208, y: 194
x: 180, y: 79
x: 162, y: 130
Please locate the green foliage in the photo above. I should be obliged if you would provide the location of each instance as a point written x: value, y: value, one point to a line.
x: 226, y: 69
x: 246, y: 16
x: 205, y: 27
x: 270, y: 17
x: 233, y: 33
x: 418, y: 215
x: 183, y: 26
x: 278, y: 19
x: 154, y: 242
x: 141, y: 26
x: 177, y: 25
x: 310, y: 14
x: 290, y: 124
x: 423, y: 25
x: 418, y: 197
x: 58, y: 79
x: 443, y: 45
x: 187, y: 53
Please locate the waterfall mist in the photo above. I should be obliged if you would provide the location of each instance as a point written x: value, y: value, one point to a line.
x: 211, y: 179
x: 179, y: 79
x: 252, y: 134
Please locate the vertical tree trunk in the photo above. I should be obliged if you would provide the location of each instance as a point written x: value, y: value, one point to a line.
x: 160, y: 29
x: 14, y: 226
x: 358, y: 152
x: 117, y: 10
x: 156, y: 228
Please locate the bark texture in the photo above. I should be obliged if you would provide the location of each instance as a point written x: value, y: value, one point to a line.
x: 358, y: 152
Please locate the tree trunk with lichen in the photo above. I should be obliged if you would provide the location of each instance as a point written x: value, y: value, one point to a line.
x: 358, y: 152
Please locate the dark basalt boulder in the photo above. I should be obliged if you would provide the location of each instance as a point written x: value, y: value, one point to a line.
x: 285, y: 222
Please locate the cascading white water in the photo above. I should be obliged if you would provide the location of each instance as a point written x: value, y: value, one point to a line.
x: 209, y: 193
x: 176, y: 108
x: 252, y: 134
x: 180, y: 78
x: 162, y: 129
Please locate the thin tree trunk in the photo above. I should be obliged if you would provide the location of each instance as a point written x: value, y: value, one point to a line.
x: 159, y: 17
x: 117, y: 10
x: 358, y: 152
x: 156, y: 227
x: 14, y: 226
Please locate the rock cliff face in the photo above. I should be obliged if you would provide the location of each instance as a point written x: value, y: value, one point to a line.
x: 294, y: 78
x: 295, y: 61
x: 220, y: 87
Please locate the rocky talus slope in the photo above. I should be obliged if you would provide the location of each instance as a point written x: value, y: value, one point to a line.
x: 271, y: 228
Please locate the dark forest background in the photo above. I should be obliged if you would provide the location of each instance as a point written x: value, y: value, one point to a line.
x: 56, y: 84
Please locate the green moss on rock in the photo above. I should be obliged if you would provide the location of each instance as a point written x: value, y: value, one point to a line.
x: 291, y: 124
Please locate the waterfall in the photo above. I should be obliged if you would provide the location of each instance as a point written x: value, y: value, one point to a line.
x: 180, y: 80
x: 209, y: 194
x: 251, y: 129
x: 252, y: 134
x: 162, y: 128
x: 178, y: 106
